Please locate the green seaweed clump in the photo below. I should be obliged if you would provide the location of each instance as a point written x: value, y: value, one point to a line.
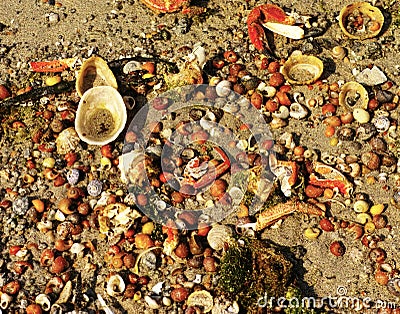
x: 296, y: 303
x: 253, y: 270
x: 236, y: 268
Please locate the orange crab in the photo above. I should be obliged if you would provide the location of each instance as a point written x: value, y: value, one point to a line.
x: 169, y: 6
x: 273, y: 18
x: 212, y: 173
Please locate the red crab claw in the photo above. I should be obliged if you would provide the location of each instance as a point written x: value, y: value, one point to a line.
x: 266, y: 13
x: 214, y: 172
x: 52, y: 66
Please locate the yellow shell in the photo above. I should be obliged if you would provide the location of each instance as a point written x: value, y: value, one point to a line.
x: 302, y: 69
x: 374, y: 26
x: 353, y: 95
x: 94, y: 72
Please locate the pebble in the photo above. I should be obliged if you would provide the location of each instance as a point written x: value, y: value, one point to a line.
x: 53, y: 18
x: 361, y: 115
x: 371, y: 77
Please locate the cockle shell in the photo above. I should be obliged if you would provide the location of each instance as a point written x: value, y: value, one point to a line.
x: 101, y: 115
x: 302, y: 69
x: 365, y: 9
x: 94, y: 72
x: 67, y: 141
x: 218, y: 236
x: 353, y: 95
x: 115, y: 285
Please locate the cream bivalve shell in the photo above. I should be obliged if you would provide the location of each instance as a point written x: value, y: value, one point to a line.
x: 94, y: 72
x: 302, y: 69
x: 101, y: 115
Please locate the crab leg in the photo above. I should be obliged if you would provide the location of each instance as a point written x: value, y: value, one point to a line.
x: 274, y: 213
x: 215, y: 172
x: 52, y: 66
x: 275, y: 19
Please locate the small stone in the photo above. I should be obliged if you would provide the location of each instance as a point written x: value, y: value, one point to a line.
x: 20, y: 206
x: 361, y: 115
x: 53, y: 18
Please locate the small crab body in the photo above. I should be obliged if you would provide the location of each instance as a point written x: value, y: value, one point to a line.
x: 275, y: 19
x: 166, y: 6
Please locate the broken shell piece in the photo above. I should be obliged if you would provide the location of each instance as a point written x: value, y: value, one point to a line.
x: 302, y: 69
x: 115, y: 285
x: 218, y: 236
x: 101, y: 115
x: 298, y: 111
x: 371, y: 77
x: 353, y: 95
x: 351, y: 15
x: 201, y: 298
x: 94, y: 72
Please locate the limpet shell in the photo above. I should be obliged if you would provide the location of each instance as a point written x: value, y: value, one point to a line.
x: 302, y: 69
x: 218, y: 236
x: 67, y: 141
x: 94, y: 72
x: 364, y: 8
x: 353, y: 95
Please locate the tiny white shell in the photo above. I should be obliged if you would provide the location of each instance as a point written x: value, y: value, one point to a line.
x: 223, y: 88
x: 282, y: 113
x: 152, y: 303
x: 5, y: 300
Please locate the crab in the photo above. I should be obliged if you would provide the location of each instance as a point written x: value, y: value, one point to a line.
x: 275, y: 19
x: 167, y: 6
x: 53, y: 66
x: 211, y: 172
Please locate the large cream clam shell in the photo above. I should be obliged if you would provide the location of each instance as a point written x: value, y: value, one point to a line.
x: 94, y: 72
x: 353, y: 95
x: 302, y: 69
x: 101, y: 115
x: 365, y: 9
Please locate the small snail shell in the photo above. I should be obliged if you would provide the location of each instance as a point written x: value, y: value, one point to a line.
x: 339, y: 52
x: 115, y: 285
x: 5, y: 300
x: 44, y: 301
x: 218, y: 235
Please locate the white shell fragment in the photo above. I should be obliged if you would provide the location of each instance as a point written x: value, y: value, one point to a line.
x: 298, y: 111
x: 202, y: 299
x: 371, y: 77
x: 44, y: 301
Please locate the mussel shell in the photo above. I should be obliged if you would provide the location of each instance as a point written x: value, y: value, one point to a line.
x: 384, y: 96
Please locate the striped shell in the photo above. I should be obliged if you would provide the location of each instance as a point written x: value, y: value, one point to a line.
x: 94, y: 188
x: 218, y: 236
